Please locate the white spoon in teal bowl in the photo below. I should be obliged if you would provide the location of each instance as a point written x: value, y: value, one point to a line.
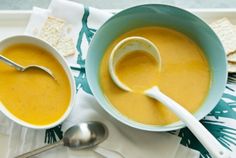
x: 135, y: 43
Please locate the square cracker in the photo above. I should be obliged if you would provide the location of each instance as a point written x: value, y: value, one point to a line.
x: 66, y: 46
x: 226, y: 32
x: 52, y: 30
x: 231, y: 67
x: 232, y: 57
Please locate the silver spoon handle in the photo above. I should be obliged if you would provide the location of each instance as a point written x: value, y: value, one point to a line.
x: 11, y: 63
x: 40, y: 150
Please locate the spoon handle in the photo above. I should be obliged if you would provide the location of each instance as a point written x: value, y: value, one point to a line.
x: 215, y: 149
x: 11, y: 63
x: 40, y: 150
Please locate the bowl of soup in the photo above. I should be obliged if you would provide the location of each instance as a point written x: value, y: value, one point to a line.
x: 193, y: 66
x: 33, y: 98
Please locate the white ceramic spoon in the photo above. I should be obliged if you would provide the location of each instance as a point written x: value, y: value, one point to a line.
x: 131, y: 44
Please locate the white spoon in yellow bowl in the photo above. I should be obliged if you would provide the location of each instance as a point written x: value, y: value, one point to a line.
x: 139, y: 44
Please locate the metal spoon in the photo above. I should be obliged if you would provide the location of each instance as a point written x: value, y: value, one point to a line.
x: 22, y: 68
x: 203, y: 135
x: 81, y: 136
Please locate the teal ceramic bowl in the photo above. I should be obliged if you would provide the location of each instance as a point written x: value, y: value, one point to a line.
x: 165, y: 16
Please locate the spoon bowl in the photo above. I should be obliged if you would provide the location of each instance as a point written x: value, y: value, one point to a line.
x: 85, y: 135
x: 82, y: 136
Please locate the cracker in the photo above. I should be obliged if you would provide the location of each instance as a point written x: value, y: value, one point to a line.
x: 232, y: 57
x: 226, y: 32
x: 66, y: 46
x: 231, y: 67
x: 52, y: 30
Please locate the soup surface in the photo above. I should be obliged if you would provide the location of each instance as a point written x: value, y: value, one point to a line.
x: 133, y: 68
x: 185, y: 76
x: 33, y: 96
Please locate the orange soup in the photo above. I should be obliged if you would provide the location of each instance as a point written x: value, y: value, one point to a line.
x: 33, y: 96
x: 185, y: 76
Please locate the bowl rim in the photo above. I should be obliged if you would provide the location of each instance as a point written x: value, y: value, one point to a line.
x: 61, y: 60
x: 122, y: 118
